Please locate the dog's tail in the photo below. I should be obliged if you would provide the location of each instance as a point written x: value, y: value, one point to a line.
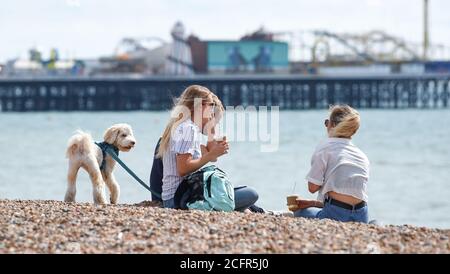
x: 80, y: 143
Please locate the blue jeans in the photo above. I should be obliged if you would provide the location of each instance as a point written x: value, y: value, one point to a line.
x: 244, y: 197
x: 333, y: 212
x: 169, y: 203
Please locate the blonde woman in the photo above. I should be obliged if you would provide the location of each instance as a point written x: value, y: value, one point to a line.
x: 179, y: 147
x: 339, y: 172
x: 182, y: 153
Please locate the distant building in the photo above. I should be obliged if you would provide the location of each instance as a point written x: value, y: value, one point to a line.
x: 35, y: 66
x: 437, y: 67
x: 259, y: 52
x: 148, y: 56
x: 199, y: 50
x: 259, y: 35
x: 179, y: 60
x: 247, y: 57
x: 220, y: 57
x: 253, y: 53
x: 23, y: 67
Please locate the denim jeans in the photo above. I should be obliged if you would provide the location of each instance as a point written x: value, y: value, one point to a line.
x: 169, y: 203
x: 333, y: 212
x: 244, y: 197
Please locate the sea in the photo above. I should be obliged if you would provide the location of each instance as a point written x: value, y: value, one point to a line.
x: 409, y: 153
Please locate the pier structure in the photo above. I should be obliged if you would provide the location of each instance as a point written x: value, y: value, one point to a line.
x: 288, y: 92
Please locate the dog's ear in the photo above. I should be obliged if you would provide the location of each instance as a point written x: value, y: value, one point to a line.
x: 111, y: 134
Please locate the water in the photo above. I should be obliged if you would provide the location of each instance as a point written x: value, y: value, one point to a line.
x: 409, y: 152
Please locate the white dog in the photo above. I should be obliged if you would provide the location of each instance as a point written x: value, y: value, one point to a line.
x: 83, y: 152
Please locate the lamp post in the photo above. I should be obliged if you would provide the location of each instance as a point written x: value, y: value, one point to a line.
x: 425, y: 30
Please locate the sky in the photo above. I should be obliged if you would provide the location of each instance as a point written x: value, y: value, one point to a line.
x: 93, y: 28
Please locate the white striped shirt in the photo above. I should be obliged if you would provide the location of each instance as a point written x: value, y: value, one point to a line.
x: 186, y: 138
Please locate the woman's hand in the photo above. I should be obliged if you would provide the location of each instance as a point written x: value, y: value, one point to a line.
x: 302, y: 204
x: 205, y: 150
x: 217, y: 149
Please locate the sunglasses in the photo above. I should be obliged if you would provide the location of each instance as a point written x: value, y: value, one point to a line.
x: 327, y: 122
x: 210, y: 104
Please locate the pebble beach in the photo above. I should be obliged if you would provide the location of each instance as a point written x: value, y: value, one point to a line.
x: 57, y: 227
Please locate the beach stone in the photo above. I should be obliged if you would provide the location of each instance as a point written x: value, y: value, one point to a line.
x: 57, y: 227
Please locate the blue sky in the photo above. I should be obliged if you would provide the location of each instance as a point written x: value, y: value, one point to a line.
x: 92, y: 28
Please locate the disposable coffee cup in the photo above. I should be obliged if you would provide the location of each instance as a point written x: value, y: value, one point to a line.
x: 220, y: 138
x: 292, y: 202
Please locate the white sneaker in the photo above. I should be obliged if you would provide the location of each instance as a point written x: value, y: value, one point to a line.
x: 280, y: 213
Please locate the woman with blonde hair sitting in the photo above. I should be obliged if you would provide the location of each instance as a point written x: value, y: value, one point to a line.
x: 179, y: 151
x: 339, y: 172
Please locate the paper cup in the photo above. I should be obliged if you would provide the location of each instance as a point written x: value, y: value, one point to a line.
x: 291, y: 202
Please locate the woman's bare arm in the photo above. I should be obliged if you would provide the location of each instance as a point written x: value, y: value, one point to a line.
x: 302, y: 204
x: 313, y: 188
x: 187, y: 165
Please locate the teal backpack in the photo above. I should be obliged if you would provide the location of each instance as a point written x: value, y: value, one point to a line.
x: 206, y: 189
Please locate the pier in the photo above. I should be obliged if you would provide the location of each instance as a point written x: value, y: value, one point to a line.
x: 289, y: 92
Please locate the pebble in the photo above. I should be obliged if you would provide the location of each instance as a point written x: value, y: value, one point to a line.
x: 58, y: 227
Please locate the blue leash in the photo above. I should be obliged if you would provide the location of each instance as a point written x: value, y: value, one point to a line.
x: 110, y: 150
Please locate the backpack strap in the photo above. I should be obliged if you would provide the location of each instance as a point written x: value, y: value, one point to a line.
x: 208, y: 184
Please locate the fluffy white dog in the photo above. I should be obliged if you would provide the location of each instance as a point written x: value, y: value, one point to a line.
x: 83, y: 152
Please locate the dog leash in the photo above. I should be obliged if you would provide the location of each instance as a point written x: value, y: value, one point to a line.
x: 113, y: 154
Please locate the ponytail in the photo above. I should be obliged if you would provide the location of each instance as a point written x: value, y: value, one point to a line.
x: 346, y: 121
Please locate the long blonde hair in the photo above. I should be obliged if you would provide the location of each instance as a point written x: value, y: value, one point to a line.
x: 218, y: 112
x: 346, y: 121
x: 186, y: 102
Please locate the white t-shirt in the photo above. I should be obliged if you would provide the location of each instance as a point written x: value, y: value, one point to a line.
x: 338, y: 165
x: 186, y: 139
